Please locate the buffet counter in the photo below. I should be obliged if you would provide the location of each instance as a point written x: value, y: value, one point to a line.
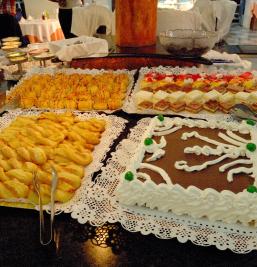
x: 91, y: 236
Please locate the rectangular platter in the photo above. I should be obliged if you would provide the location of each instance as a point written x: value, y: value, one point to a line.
x: 27, y: 148
x: 73, y: 89
x: 191, y: 92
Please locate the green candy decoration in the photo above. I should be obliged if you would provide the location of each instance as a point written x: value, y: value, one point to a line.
x: 129, y: 176
x: 252, y: 189
x: 251, y: 147
x: 251, y: 122
x: 160, y: 117
x: 148, y: 141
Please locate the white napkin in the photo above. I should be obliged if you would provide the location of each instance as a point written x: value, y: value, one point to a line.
x: 80, y: 47
x: 237, y: 62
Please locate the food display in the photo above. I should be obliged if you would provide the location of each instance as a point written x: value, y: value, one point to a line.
x: 103, y: 91
x: 195, y: 167
x: 32, y: 145
x: 196, y: 92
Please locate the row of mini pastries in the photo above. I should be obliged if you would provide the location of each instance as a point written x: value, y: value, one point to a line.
x: 82, y: 104
x: 193, y: 101
x: 168, y: 85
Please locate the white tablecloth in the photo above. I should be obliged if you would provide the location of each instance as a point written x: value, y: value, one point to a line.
x: 39, y: 30
x: 87, y: 19
x: 248, y: 13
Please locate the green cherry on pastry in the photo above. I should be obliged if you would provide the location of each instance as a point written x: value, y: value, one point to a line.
x: 148, y: 141
x: 251, y: 122
x: 252, y: 189
x: 251, y: 147
x: 160, y: 117
x: 129, y: 176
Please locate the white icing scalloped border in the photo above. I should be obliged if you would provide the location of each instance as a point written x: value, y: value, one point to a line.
x: 223, y: 206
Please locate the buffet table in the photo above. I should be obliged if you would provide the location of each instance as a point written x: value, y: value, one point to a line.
x: 81, y: 244
x: 107, y: 245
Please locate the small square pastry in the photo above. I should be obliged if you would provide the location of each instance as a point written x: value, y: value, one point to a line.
x: 194, y: 101
x: 100, y: 104
x: 219, y: 86
x: 177, y: 101
x: 226, y: 101
x: 211, y: 101
x: 160, y: 101
x: 114, y: 103
x: 242, y: 98
x: 250, y: 85
x: 144, y: 99
x: 200, y: 84
x: 253, y: 101
x: 85, y: 104
x: 235, y: 85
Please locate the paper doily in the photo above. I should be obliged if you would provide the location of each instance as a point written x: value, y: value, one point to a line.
x: 100, y: 206
x: 114, y: 127
x: 130, y: 105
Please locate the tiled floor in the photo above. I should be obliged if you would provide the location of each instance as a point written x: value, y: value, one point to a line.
x: 241, y: 36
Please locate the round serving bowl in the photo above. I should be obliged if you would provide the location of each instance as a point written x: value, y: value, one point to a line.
x: 193, y: 43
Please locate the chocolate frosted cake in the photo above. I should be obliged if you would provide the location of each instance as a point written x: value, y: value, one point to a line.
x: 195, y: 167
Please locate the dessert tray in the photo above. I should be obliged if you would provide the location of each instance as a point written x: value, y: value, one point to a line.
x: 101, y: 205
x: 70, y: 95
x: 114, y: 126
x: 131, y: 107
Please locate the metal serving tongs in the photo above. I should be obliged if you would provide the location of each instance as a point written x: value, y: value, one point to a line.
x: 52, y: 207
x: 242, y: 111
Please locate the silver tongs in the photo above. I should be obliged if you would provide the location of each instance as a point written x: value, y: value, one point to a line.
x: 242, y: 111
x: 41, y: 211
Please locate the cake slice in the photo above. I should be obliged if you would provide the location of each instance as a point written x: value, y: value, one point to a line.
x: 242, y: 98
x: 160, y: 101
x: 144, y: 99
x: 177, y: 101
x: 211, y: 101
x: 235, y: 85
x: 194, y: 101
x: 250, y: 85
x: 220, y: 86
x: 253, y: 101
x: 226, y: 102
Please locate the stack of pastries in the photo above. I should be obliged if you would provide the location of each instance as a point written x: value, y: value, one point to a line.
x: 195, y: 92
x: 104, y: 91
x: 32, y: 145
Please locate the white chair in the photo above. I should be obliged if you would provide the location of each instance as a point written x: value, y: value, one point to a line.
x: 35, y: 9
x: 86, y: 20
x: 172, y: 19
x: 216, y: 15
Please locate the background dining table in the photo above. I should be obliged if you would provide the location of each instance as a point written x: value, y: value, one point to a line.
x: 39, y: 30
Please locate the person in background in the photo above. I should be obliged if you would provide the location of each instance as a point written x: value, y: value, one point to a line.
x: 65, y: 14
x: 8, y: 22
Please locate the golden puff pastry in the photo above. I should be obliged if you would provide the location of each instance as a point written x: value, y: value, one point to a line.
x: 32, y: 145
x: 72, y: 91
